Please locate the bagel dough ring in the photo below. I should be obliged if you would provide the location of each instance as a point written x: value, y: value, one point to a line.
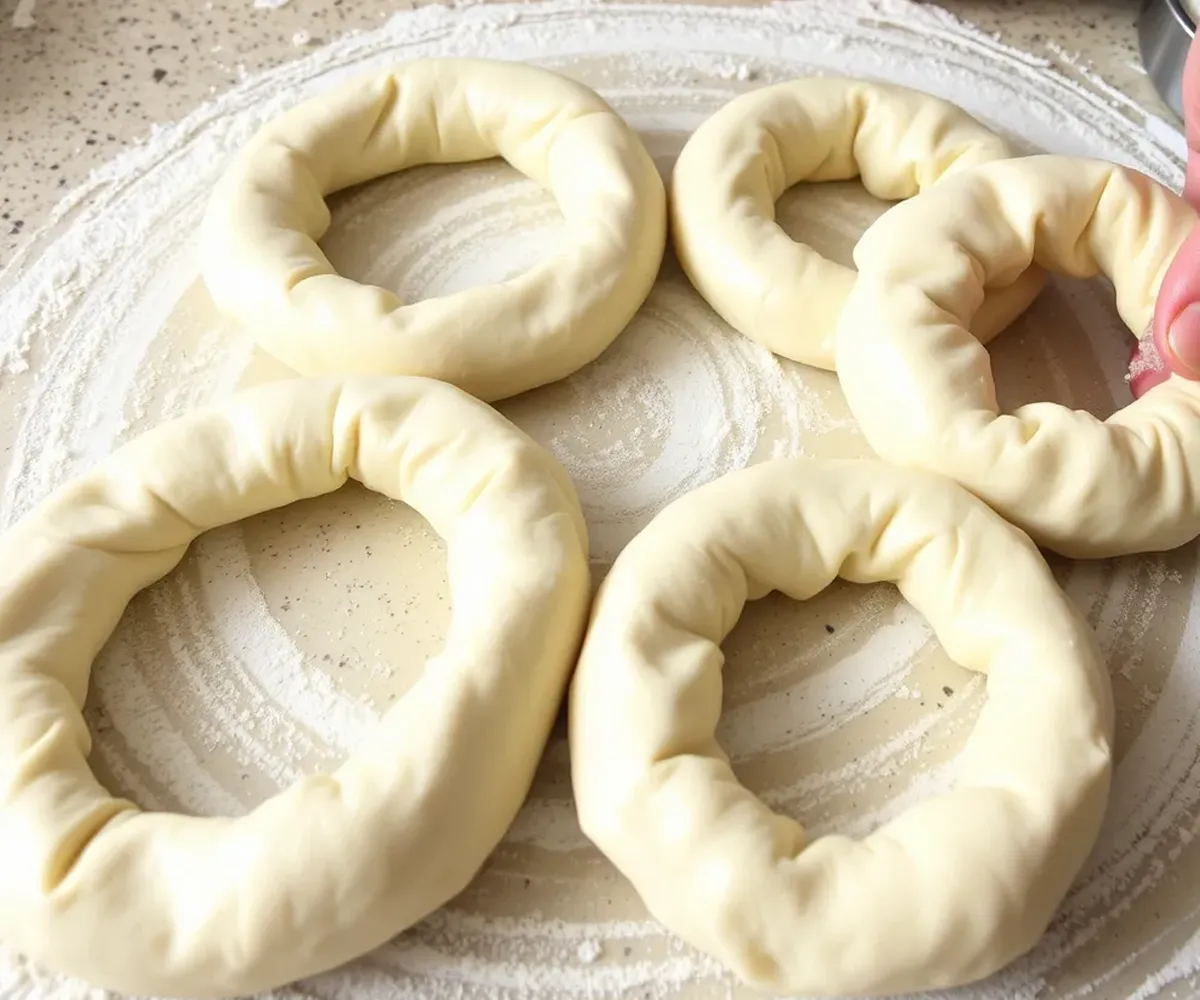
x: 163, y: 904
x: 921, y: 386
x: 780, y: 293
x: 264, y: 269
x: 945, y: 893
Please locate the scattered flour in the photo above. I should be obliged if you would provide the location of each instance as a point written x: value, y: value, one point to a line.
x: 23, y: 14
x: 589, y: 952
x: 204, y: 702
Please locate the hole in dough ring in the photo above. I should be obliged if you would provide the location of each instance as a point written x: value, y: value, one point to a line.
x: 921, y: 386
x: 946, y: 892
x: 163, y: 904
x: 264, y: 269
x: 780, y: 293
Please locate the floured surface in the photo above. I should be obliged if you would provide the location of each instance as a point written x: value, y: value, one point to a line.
x: 262, y: 657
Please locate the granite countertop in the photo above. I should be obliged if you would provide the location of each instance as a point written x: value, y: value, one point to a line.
x: 80, y: 81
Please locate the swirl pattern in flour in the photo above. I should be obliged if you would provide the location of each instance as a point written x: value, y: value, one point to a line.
x: 274, y: 645
x: 676, y: 401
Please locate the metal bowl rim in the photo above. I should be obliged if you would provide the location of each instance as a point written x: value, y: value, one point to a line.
x: 1182, y: 16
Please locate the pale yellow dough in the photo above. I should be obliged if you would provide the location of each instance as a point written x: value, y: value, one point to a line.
x: 153, y: 903
x: 784, y: 294
x: 945, y: 893
x: 261, y: 262
x: 921, y: 386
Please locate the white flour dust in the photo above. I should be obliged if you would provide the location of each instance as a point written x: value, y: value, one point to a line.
x: 23, y: 14
x: 841, y: 711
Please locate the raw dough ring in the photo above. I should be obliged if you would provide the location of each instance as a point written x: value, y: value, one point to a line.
x: 156, y: 903
x: 921, y: 386
x: 263, y: 266
x: 946, y: 892
x: 780, y: 293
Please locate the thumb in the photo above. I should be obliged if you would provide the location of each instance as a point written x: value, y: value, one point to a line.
x: 1177, y: 311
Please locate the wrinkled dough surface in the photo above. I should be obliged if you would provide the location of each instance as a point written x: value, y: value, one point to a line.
x: 163, y: 904
x: 945, y: 893
x: 921, y: 385
x: 781, y: 293
x: 263, y: 267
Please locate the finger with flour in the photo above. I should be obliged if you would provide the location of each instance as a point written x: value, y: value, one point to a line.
x: 1173, y: 344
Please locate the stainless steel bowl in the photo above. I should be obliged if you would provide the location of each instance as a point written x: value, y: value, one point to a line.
x: 1165, y: 29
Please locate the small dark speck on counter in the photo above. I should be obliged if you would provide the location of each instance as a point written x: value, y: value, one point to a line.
x: 830, y: 629
x: 159, y: 75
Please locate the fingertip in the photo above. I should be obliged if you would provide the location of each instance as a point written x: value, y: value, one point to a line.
x: 1182, y: 342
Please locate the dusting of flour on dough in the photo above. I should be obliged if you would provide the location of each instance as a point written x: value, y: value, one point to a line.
x: 842, y: 711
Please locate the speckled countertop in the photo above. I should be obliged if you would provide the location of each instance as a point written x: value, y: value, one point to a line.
x: 81, y: 80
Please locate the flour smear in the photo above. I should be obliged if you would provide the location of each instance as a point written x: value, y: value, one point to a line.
x: 278, y: 641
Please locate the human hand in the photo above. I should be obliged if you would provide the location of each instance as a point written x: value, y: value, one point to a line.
x: 1175, y: 343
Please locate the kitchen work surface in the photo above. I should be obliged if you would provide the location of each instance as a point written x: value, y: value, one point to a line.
x: 279, y: 641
